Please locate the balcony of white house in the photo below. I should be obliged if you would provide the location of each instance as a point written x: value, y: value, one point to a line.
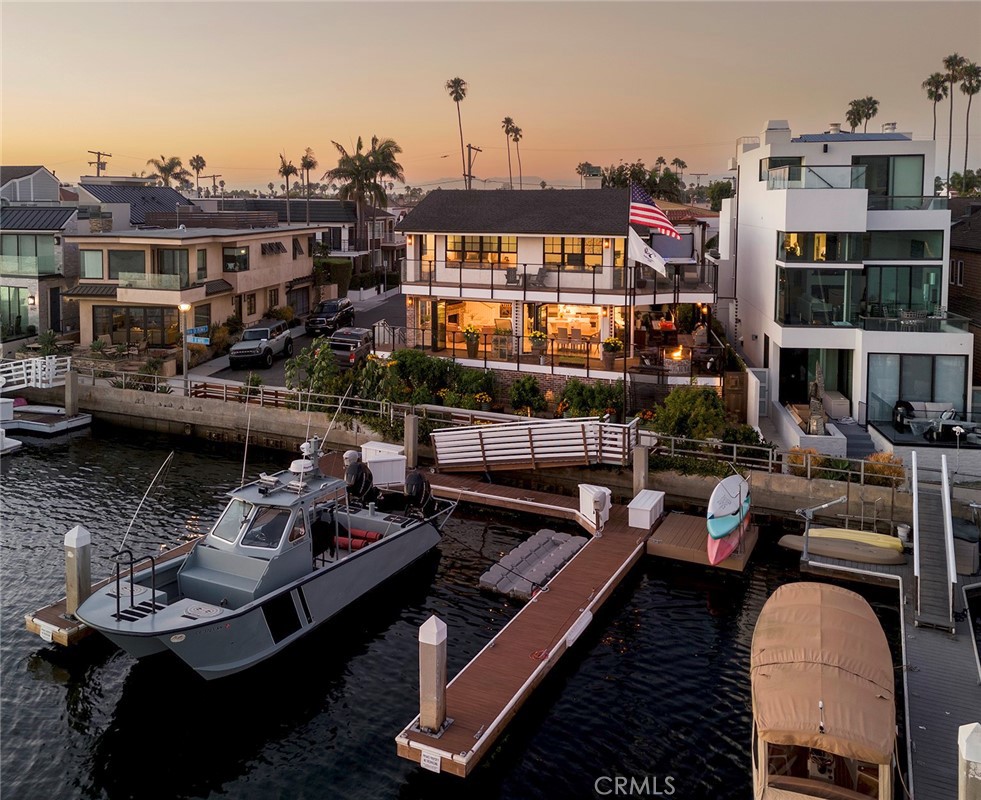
x: 551, y: 283
x: 895, y: 195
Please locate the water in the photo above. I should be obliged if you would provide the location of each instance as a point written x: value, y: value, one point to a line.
x: 658, y: 686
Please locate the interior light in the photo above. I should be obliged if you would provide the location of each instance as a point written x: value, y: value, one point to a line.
x: 31, y: 300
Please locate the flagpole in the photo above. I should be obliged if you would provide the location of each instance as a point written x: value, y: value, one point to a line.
x: 627, y: 320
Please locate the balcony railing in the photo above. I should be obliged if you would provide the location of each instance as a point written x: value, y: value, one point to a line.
x: 143, y: 280
x: 880, y: 202
x: 31, y: 266
x: 823, y: 177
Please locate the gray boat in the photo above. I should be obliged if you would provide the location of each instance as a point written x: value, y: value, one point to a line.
x: 289, y: 552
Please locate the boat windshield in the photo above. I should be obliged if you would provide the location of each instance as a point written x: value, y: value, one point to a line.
x: 267, y: 528
x: 232, y: 519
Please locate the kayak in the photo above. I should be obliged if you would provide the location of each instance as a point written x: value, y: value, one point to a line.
x: 844, y: 549
x: 720, y: 549
x: 866, y: 537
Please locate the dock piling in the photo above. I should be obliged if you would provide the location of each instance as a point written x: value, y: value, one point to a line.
x: 642, y: 455
x: 71, y: 393
x: 78, y: 569
x: 969, y: 762
x: 432, y: 674
x: 411, y: 441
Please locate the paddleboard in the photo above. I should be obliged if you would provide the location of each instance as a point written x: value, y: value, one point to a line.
x: 720, y: 549
x: 866, y: 537
x: 844, y: 549
x: 727, y: 506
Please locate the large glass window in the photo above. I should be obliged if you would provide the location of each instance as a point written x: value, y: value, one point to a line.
x: 13, y: 311
x: 899, y: 376
x: 235, y: 259
x: 202, y: 315
x: 202, y: 265
x: 817, y: 247
x: 91, y: 262
x: 158, y: 325
x: 813, y: 296
x: 885, y: 245
x: 892, y: 176
x: 27, y: 254
x: 775, y: 162
x: 173, y: 262
x: 890, y: 290
x: 573, y: 253
x: 122, y: 262
x: 494, y: 250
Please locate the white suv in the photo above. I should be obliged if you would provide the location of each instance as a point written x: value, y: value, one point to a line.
x: 261, y: 343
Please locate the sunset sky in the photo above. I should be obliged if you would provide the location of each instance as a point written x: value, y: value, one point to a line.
x: 240, y: 82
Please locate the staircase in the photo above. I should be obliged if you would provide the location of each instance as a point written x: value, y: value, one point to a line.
x: 859, y: 442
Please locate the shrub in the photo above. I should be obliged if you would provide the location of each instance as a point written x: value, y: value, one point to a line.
x: 797, y: 460
x: 220, y: 340
x: 250, y: 387
x: 526, y: 393
x: 589, y: 400
x: 97, y: 347
x: 284, y: 313
x: 884, y: 469
x: 836, y: 469
x: 234, y: 324
x: 197, y: 354
x: 691, y: 412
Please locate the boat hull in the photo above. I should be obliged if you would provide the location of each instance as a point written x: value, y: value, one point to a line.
x: 840, y: 548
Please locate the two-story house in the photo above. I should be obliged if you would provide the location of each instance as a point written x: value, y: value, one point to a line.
x: 132, y: 281
x: 537, y: 281
x: 836, y: 254
x: 964, y: 278
x: 31, y: 184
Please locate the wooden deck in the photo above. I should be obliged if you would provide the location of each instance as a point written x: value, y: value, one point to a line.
x: 683, y: 536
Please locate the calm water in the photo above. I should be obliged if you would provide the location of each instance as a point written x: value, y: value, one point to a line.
x: 658, y: 686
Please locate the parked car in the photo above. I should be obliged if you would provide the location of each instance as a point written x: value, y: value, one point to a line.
x: 329, y: 315
x: 351, y: 346
x: 261, y: 343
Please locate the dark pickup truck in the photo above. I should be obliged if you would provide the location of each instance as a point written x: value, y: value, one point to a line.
x: 350, y: 346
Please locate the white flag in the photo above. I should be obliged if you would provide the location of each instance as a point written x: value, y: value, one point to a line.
x: 640, y: 251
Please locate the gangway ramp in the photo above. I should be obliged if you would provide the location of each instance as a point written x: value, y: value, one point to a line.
x: 534, y: 444
x: 34, y: 373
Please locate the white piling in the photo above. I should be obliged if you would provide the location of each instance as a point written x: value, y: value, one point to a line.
x: 411, y: 441
x: 969, y: 762
x: 78, y: 568
x: 432, y: 674
x: 642, y: 456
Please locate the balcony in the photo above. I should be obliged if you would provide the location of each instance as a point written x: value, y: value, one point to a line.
x: 29, y: 266
x: 848, y: 177
x: 144, y: 280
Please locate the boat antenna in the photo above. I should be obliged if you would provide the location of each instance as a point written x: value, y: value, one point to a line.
x: 163, y: 467
x: 245, y: 453
x: 340, y: 405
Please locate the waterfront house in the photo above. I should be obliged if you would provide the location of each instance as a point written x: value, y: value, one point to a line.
x: 836, y: 253
x: 127, y: 201
x: 30, y: 184
x: 964, y: 280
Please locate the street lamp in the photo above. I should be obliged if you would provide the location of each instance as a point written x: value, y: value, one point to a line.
x: 183, y: 308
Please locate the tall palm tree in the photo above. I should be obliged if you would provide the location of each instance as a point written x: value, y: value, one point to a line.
x: 660, y: 162
x: 681, y: 167
x: 869, y: 107
x: 516, y: 138
x: 508, y: 124
x: 581, y: 169
x: 272, y: 188
x: 167, y: 169
x: 308, y: 161
x: 197, y: 164
x: 853, y: 116
x: 287, y: 170
x: 970, y: 85
x: 457, y: 88
x: 954, y: 64
x: 936, y: 89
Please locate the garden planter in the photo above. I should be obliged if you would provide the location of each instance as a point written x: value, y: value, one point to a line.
x: 472, y: 348
x: 608, y: 360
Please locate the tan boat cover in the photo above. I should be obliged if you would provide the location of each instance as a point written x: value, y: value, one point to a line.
x: 813, y: 642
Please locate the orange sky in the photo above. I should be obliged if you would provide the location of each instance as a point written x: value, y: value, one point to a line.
x: 600, y: 82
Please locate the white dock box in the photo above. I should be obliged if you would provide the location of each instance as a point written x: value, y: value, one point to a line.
x: 386, y: 462
x: 646, y: 508
x: 593, y: 499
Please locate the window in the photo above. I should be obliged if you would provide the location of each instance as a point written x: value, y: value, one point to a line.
x: 231, y: 521
x: 887, y: 245
x: 273, y: 298
x: 202, y: 265
x: 27, y: 254
x: 271, y: 248
x: 123, y: 262
x: 573, y: 253
x: 957, y: 272
x: 299, y: 301
x: 91, y: 262
x: 817, y: 247
x: 13, y: 310
x: 933, y: 379
x: 297, y: 247
x: 776, y: 162
x: 250, y: 303
x: 173, y: 262
x: 890, y: 290
x: 892, y: 176
x: 494, y: 250
x: 158, y: 325
x: 202, y: 315
x: 235, y: 259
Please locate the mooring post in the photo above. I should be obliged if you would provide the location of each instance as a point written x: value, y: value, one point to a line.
x: 432, y: 674
x: 71, y: 393
x: 411, y: 440
x: 969, y: 762
x: 78, y: 570
x: 642, y: 457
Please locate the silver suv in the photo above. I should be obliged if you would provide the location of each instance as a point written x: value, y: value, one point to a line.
x: 262, y: 343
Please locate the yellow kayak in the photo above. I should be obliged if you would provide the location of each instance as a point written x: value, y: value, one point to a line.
x: 865, y: 537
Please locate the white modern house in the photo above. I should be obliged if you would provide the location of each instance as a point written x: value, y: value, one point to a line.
x: 834, y: 252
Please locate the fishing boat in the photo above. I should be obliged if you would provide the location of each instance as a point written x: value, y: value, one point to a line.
x: 824, y: 708
x: 727, y: 518
x: 289, y: 551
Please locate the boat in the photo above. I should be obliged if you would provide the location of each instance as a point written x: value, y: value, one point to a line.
x: 727, y: 518
x: 8, y: 444
x: 842, y: 548
x: 824, y: 706
x: 289, y: 551
x: 865, y: 537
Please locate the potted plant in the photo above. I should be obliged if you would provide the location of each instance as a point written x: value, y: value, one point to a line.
x: 483, y: 400
x: 538, y: 341
x: 471, y: 335
x: 611, y: 346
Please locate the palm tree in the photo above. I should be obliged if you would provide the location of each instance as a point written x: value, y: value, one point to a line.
x: 681, y: 166
x: 870, y: 107
x: 286, y: 170
x: 936, y: 89
x: 516, y: 138
x: 221, y: 183
x: 457, y: 88
x: 508, y: 124
x: 167, y: 169
x: 308, y: 161
x: 970, y: 85
x: 581, y: 169
x: 954, y: 64
x: 659, y: 162
x: 272, y: 189
x: 853, y: 116
x: 197, y: 164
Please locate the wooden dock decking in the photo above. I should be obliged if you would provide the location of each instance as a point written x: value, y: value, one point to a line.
x: 683, y: 537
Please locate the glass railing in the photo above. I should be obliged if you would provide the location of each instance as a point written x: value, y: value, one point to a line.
x: 822, y: 177
x: 142, y: 280
x: 28, y: 265
x: 897, y: 203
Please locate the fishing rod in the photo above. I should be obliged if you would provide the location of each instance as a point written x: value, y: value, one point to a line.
x: 245, y: 453
x: 164, y: 466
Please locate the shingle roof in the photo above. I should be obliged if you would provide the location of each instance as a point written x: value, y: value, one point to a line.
x: 140, y: 198
x: 852, y: 137
x: 588, y: 212
x: 965, y: 234
x: 91, y: 290
x: 13, y: 173
x: 219, y: 286
x: 35, y: 218
x: 337, y: 211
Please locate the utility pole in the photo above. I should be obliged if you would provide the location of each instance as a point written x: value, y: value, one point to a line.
x: 214, y: 183
x: 99, y: 164
x: 470, y: 159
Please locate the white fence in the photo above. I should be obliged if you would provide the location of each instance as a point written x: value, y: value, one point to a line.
x: 34, y: 373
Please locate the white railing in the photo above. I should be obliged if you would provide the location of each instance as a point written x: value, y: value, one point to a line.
x: 948, y: 539
x: 34, y: 373
x: 535, y: 443
x: 916, y: 534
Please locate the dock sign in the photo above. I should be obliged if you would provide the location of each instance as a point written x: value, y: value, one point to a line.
x: 198, y: 329
x: 431, y: 761
x: 198, y: 340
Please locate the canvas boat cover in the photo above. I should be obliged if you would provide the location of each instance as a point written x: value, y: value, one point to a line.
x: 816, y: 642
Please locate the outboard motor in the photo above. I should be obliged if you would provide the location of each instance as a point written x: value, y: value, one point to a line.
x: 901, y: 412
x: 418, y: 492
x: 357, y: 475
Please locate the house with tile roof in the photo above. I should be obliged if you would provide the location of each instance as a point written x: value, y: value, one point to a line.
x: 31, y: 184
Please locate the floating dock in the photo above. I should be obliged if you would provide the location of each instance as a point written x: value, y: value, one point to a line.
x: 683, y: 536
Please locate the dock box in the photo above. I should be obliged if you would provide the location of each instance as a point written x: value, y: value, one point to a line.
x: 386, y: 462
x: 646, y: 509
x: 595, y: 500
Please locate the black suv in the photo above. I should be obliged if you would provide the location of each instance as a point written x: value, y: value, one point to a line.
x: 261, y: 343
x: 329, y: 315
x: 351, y: 346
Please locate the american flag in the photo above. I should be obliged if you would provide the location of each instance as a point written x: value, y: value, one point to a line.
x: 643, y: 211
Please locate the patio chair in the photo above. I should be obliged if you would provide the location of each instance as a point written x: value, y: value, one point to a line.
x: 511, y: 277
x: 538, y: 281
x: 691, y: 275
